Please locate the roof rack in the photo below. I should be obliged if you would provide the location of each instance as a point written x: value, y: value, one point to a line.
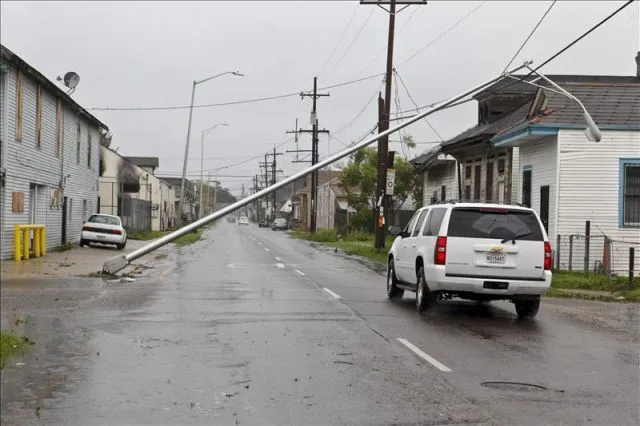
x: 461, y: 200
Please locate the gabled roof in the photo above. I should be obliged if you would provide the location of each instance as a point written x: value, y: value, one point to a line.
x: 488, y: 130
x: 144, y: 161
x: 608, y: 104
x: 10, y: 57
x: 611, y: 105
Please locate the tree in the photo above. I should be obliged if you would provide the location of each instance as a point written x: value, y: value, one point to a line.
x: 359, y: 180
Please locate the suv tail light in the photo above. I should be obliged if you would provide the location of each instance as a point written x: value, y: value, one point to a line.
x: 547, y: 256
x: 117, y: 232
x: 440, y: 255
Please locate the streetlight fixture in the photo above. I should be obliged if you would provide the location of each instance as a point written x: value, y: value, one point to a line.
x: 592, y: 131
x: 204, y: 132
x: 186, y: 145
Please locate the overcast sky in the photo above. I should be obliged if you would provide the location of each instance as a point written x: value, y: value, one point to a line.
x: 146, y: 54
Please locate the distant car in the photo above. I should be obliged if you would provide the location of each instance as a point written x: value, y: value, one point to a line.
x: 104, y: 229
x: 262, y: 223
x: 472, y: 251
x: 279, y: 223
x: 244, y: 220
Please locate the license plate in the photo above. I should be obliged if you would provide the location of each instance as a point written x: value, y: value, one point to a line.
x: 101, y: 237
x: 496, y: 259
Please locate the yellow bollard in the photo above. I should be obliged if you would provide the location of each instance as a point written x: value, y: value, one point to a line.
x: 36, y: 242
x: 43, y: 242
x: 25, y: 244
x: 17, y: 253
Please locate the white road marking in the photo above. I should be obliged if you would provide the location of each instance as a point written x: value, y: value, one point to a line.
x: 259, y: 243
x: 231, y: 265
x: 437, y: 364
x: 332, y: 293
x: 266, y: 249
x: 300, y: 272
x: 278, y: 259
x: 280, y: 265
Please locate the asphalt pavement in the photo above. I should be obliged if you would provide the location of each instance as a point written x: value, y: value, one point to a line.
x: 249, y: 326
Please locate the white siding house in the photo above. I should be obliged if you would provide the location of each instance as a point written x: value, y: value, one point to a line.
x: 50, y: 156
x: 570, y: 180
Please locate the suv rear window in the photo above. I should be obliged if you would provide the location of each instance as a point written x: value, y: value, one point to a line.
x: 491, y: 223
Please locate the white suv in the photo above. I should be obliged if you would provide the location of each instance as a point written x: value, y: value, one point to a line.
x: 473, y: 251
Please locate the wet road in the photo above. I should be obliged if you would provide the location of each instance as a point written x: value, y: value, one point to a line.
x: 252, y: 327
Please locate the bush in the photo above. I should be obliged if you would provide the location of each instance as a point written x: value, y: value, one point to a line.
x: 324, y: 236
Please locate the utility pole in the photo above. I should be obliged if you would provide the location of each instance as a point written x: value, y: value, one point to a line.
x: 273, y: 179
x: 314, y: 150
x: 384, y: 106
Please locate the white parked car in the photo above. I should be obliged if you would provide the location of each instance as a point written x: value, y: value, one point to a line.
x: 473, y: 251
x: 104, y: 229
x: 244, y: 220
x: 279, y: 223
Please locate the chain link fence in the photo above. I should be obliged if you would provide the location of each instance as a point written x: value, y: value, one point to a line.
x: 597, y: 254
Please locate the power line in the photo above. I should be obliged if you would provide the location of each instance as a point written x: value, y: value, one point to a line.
x: 353, y: 120
x: 384, y: 48
x: 245, y: 101
x: 351, y: 45
x: 344, y: 32
x: 431, y: 43
x: 416, y: 105
x: 529, y: 36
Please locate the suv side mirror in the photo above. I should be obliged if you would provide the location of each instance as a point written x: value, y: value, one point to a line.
x: 395, y: 231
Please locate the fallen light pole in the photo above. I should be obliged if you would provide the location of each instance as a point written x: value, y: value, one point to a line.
x: 120, y: 262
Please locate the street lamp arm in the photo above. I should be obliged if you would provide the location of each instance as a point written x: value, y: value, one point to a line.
x: 237, y: 73
x: 592, y: 131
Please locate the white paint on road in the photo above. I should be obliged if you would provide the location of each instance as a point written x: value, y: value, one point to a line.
x: 416, y: 350
x: 300, y: 272
x: 278, y: 259
x: 259, y: 243
x: 266, y: 249
x: 280, y: 265
x: 231, y: 265
x: 332, y: 293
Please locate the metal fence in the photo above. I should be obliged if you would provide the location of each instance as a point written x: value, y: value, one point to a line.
x: 135, y: 214
x: 596, y: 253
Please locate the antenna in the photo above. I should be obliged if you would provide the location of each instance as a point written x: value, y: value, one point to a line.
x: 71, y: 80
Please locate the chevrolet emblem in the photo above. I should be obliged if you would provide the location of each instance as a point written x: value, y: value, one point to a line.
x: 496, y: 249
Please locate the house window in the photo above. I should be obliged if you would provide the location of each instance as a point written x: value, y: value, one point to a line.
x: 443, y: 193
x: 78, y: 135
x: 526, y: 186
x: 489, y: 182
x: 89, y: 149
x: 477, y: 182
x: 58, y: 127
x: 630, y: 193
x: 39, y: 117
x: 19, y: 102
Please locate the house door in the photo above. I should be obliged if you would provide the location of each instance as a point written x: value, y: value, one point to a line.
x: 32, y: 203
x: 526, y: 187
x: 544, y: 206
x: 63, y: 239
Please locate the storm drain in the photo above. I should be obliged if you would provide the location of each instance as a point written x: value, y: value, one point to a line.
x: 514, y: 386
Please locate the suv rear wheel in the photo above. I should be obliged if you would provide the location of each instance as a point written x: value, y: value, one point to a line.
x: 527, y: 308
x: 393, y: 291
x: 424, y: 297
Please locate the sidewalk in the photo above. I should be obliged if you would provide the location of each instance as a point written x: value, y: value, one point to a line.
x: 79, y: 261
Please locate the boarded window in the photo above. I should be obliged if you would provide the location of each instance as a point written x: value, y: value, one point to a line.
x: 19, y: 112
x: 78, y: 136
x: 39, y: 117
x: 58, y: 127
x: 489, y: 182
x: 17, y: 202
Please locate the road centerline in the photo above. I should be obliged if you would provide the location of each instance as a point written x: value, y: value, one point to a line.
x: 424, y: 356
x: 332, y: 293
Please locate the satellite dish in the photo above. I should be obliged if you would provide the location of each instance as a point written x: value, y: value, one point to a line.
x: 71, y: 80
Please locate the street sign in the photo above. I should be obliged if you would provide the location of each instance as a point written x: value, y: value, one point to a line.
x: 391, y: 181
